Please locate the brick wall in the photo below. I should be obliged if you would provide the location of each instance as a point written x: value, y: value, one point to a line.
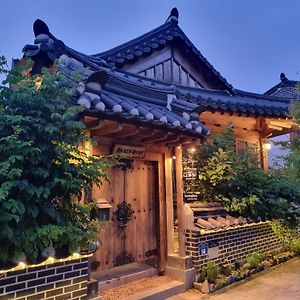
x: 65, y: 279
x: 233, y: 243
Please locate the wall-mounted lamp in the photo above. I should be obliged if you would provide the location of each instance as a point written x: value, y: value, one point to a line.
x: 173, y: 153
x: 267, y: 144
x: 193, y: 149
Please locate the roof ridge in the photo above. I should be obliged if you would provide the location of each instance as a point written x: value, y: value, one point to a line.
x: 262, y: 96
x: 118, y: 54
x: 134, y: 40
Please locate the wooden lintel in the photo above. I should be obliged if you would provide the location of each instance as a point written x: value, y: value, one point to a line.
x: 284, y: 124
x: 274, y: 127
x: 160, y: 136
x: 142, y: 133
x: 108, y: 129
x: 93, y: 124
x: 128, y: 131
x: 147, y: 135
x: 168, y: 139
x: 191, y: 143
x: 218, y: 119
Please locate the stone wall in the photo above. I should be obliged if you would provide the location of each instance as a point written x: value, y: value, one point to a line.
x: 53, y: 279
x: 233, y: 244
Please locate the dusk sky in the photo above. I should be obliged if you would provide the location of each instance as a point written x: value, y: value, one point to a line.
x: 249, y: 42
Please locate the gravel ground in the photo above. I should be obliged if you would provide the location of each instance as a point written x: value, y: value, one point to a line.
x: 130, y: 289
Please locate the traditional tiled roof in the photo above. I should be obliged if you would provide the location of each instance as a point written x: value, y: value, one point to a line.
x: 131, y: 89
x: 112, y: 93
x: 129, y: 97
x: 220, y: 222
x: 212, y: 216
x: 285, y: 89
x: 156, y: 39
x: 241, y: 102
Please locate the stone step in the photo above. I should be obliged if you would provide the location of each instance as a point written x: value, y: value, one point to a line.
x: 122, y: 275
x: 159, y: 293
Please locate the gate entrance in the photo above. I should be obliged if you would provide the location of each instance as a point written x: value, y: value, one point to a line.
x: 131, y: 234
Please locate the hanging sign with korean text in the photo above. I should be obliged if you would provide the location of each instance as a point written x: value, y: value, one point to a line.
x: 129, y: 151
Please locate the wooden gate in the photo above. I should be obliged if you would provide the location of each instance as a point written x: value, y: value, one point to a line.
x: 131, y: 233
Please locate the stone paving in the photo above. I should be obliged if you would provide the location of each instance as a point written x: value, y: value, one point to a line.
x: 280, y: 283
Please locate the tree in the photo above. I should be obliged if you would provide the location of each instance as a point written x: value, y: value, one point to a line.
x: 44, y: 172
x: 237, y: 181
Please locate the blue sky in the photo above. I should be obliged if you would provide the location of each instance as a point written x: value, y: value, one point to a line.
x: 249, y: 42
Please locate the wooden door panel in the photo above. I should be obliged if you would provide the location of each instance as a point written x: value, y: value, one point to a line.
x: 137, y: 186
x: 141, y: 230
x: 110, y: 234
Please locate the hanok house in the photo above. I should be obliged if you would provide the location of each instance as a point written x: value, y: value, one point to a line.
x: 149, y: 99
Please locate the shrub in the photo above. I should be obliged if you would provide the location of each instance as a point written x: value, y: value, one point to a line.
x: 254, y: 259
x: 210, y: 272
x: 295, y: 246
x: 45, y: 174
x: 237, y: 181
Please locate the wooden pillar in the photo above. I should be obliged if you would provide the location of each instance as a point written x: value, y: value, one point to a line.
x: 179, y: 200
x: 169, y: 201
x: 266, y: 156
x: 162, y: 222
x: 263, y: 154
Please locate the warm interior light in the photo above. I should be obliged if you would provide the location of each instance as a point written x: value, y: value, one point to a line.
x: 268, y: 145
x: 174, y: 157
x: 38, y: 82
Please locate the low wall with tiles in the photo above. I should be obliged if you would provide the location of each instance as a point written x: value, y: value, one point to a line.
x: 233, y: 244
x: 53, y: 279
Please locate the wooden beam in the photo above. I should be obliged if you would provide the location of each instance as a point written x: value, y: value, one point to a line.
x: 279, y: 128
x: 145, y: 135
x: 93, y: 124
x: 169, y: 201
x: 283, y: 124
x: 169, y: 139
x: 107, y: 129
x: 142, y: 133
x: 179, y: 200
x: 128, y: 131
x: 225, y: 119
x: 155, y: 136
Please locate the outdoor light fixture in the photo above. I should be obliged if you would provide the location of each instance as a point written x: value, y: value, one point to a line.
x: 193, y: 149
x: 267, y: 144
x: 50, y: 260
x: 173, y: 153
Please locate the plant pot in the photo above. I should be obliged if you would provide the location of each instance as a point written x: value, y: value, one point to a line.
x: 62, y: 252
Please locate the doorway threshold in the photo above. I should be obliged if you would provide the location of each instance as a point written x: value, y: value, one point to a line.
x: 121, y: 275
